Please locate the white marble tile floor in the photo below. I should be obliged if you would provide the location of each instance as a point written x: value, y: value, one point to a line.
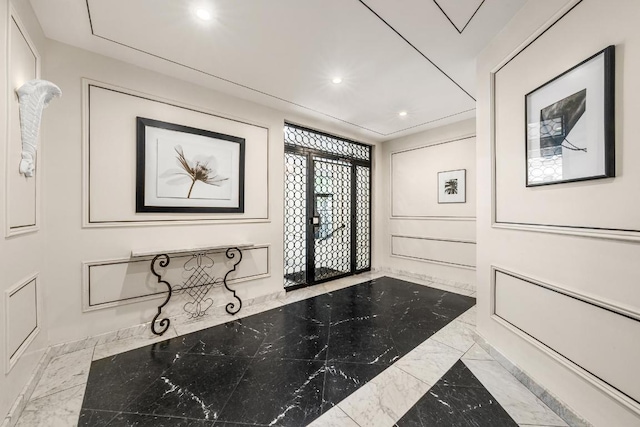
x: 457, y: 335
x: 429, y: 361
x: 385, y: 399
x: 55, y: 410
x: 514, y: 397
x: 335, y: 417
x: 64, y: 372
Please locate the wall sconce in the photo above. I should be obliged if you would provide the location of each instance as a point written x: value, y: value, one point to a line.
x: 33, y: 97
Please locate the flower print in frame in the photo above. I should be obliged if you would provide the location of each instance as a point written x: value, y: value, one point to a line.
x: 185, y: 169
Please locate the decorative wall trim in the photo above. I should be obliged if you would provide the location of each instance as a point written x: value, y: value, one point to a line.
x: 462, y: 288
x: 424, y: 217
x: 87, y: 84
x: 627, y: 312
x: 10, y: 231
x: 433, y: 261
x: 261, y: 92
x: 460, y: 31
x: 88, y: 305
x: 433, y: 218
x: 582, y: 231
x: 547, y: 397
x: 13, y: 355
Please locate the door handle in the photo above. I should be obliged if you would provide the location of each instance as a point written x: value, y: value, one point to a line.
x: 328, y: 236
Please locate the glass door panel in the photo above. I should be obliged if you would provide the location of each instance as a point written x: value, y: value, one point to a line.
x: 295, y: 219
x: 331, y: 220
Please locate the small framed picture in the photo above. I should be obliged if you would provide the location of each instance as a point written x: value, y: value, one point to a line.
x: 452, y: 186
x: 184, y: 169
x: 570, y: 131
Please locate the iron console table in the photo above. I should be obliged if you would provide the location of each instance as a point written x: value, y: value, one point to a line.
x: 200, y: 279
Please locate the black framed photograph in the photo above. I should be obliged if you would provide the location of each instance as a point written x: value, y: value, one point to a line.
x: 452, y: 186
x: 184, y: 169
x: 570, y: 126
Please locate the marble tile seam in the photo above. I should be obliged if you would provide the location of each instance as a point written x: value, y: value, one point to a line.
x: 132, y: 341
x: 333, y: 418
x: 459, y: 286
x: 398, y: 365
x: 60, y: 409
x: 519, y: 402
x: 140, y: 329
x: 63, y: 377
x: 384, y: 399
x: 25, y: 395
x: 48, y: 395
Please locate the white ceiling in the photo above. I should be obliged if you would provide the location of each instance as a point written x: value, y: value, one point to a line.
x: 404, y: 55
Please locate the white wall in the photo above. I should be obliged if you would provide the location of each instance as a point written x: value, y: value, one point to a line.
x: 23, y: 329
x: 419, y: 235
x: 80, y: 241
x: 562, y: 303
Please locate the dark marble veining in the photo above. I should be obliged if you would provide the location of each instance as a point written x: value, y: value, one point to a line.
x: 343, y: 378
x: 282, y: 367
x: 459, y: 400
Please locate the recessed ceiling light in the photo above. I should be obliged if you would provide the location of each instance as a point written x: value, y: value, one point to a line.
x: 337, y: 80
x: 203, y: 14
x: 402, y: 113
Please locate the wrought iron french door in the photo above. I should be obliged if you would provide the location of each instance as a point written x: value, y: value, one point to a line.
x: 327, y: 211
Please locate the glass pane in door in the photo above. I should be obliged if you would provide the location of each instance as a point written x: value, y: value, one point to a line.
x: 363, y: 218
x: 332, y: 218
x: 295, y: 219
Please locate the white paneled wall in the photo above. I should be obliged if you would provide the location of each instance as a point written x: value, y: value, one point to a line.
x: 23, y: 331
x: 23, y: 196
x: 21, y: 305
x: 569, y: 314
x: 569, y: 324
x: 421, y: 236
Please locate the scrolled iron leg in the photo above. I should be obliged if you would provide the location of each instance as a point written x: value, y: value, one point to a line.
x: 163, y: 261
x: 231, y: 307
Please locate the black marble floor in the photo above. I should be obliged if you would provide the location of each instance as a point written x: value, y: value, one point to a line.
x: 282, y: 367
x: 459, y: 399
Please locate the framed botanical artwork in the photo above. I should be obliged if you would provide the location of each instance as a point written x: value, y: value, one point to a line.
x: 570, y: 129
x: 452, y: 186
x: 184, y: 169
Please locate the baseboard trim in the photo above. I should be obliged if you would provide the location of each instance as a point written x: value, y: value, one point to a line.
x: 23, y: 398
x: 463, y: 286
x: 564, y: 411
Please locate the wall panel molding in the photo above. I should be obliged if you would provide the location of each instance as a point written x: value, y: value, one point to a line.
x: 555, y: 227
x: 22, y: 314
x: 139, y: 268
x: 22, y: 195
x: 254, y: 212
x: 450, y: 252
x: 433, y: 218
x: 393, y: 209
x: 548, y: 306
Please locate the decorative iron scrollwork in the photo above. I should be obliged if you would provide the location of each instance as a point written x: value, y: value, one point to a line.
x: 197, y: 285
x: 163, y: 261
x: 231, y: 306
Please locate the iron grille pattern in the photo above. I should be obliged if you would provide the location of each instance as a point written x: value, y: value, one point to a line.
x: 295, y: 241
x: 547, y: 167
x: 198, y: 284
x: 340, y: 147
x: 332, y: 255
x: 363, y: 218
